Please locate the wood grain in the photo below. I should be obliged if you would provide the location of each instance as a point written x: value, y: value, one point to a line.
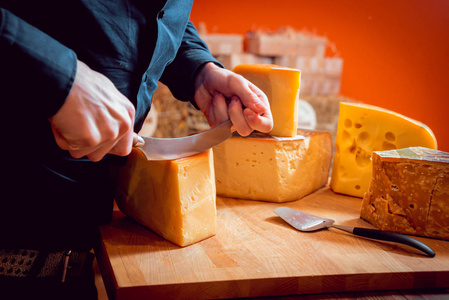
x: 255, y: 253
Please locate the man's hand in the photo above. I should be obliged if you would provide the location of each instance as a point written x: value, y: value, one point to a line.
x: 222, y: 95
x: 95, y: 119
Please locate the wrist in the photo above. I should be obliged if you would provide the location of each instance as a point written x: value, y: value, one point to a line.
x: 202, y: 73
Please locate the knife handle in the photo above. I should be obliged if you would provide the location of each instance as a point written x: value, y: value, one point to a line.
x: 393, y: 237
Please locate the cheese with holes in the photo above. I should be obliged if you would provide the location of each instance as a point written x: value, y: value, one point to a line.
x: 363, y: 129
x: 281, y: 86
x: 173, y: 198
x: 274, y: 169
x: 409, y: 192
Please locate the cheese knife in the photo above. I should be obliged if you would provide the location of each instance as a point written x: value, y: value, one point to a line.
x: 174, y: 148
x: 306, y: 222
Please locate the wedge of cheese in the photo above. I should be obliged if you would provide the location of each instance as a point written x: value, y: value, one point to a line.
x: 363, y: 129
x: 274, y: 169
x: 409, y: 192
x: 281, y: 86
x: 175, y: 199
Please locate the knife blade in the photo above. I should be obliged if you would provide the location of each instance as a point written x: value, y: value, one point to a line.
x: 174, y: 148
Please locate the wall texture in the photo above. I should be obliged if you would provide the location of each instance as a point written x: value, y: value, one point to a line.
x: 395, y: 51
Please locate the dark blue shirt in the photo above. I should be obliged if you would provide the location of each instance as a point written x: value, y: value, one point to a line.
x: 50, y: 199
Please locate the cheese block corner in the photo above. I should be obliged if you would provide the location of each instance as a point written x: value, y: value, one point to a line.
x: 174, y: 198
x: 273, y: 169
x: 362, y: 129
x: 281, y: 86
x: 409, y: 192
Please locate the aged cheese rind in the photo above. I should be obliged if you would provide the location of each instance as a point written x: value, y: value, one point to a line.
x: 409, y: 192
x: 281, y: 86
x: 265, y: 168
x: 173, y: 198
x: 363, y: 129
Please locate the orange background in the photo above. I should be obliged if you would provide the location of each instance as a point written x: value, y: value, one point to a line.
x: 395, y: 52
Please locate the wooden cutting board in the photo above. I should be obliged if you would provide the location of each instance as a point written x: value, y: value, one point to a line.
x: 255, y: 253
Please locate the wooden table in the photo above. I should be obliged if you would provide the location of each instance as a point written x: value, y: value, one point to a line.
x: 255, y: 254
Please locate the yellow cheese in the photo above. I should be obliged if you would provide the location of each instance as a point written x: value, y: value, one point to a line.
x: 274, y: 169
x: 281, y: 86
x: 409, y: 192
x: 363, y: 129
x: 175, y: 199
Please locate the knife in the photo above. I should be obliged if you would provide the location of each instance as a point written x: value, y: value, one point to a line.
x: 306, y: 222
x: 173, y: 148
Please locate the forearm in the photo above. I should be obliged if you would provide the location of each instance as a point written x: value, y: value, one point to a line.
x: 180, y: 75
x: 37, y: 71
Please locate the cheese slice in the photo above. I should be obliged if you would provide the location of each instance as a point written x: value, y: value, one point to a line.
x: 175, y: 199
x: 281, y: 86
x: 363, y: 129
x: 409, y: 192
x: 274, y: 169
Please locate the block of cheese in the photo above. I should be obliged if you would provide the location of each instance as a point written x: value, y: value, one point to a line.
x: 274, y: 169
x: 363, y: 129
x: 173, y: 198
x: 409, y: 192
x: 281, y: 86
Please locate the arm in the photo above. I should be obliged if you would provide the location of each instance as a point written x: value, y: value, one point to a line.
x: 195, y: 75
x: 88, y: 115
x: 180, y: 75
x: 32, y: 65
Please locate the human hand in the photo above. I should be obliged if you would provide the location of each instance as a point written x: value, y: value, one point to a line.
x: 96, y: 119
x: 247, y: 107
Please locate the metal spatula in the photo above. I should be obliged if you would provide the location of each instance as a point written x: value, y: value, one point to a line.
x: 306, y: 222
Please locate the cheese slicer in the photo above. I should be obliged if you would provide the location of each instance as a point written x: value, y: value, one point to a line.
x: 174, y: 148
x: 306, y: 222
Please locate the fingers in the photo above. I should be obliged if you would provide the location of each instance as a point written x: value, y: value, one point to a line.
x: 261, y: 118
x: 59, y: 139
x: 97, y: 144
x: 237, y: 117
x: 96, y: 119
x: 120, y: 147
x: 219, y: 110
x: 257, y: 113
x: 262, y: 123
x: 250, y: 95
x: 123, y: 146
